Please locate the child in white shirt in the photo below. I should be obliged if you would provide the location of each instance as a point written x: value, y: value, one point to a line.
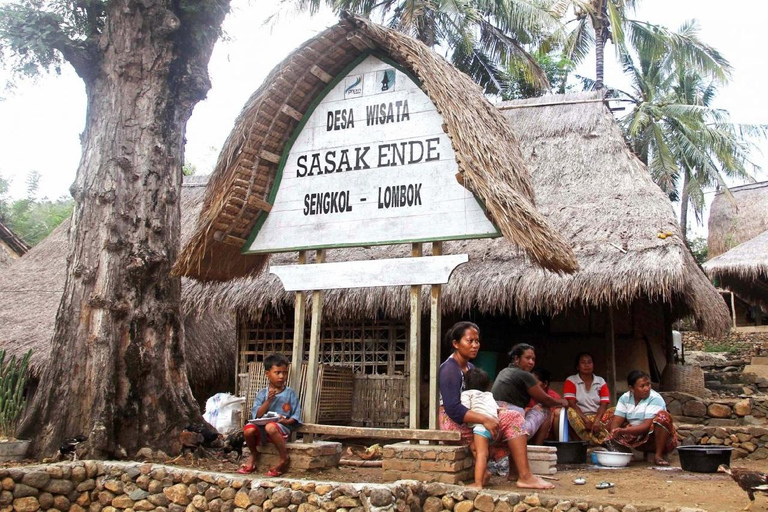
x: 477, y: 398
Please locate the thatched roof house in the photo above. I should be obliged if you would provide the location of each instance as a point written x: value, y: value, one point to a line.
x: 595, y: 193
x: 486, y: 152
x: 744, y: 270
x: 30, y: 291
x: 738, y: 217
x: 12, y: 247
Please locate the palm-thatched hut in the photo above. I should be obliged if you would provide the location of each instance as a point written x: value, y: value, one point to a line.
x: 31, y: 288
x: 743, y: 271
x: 736, y: 216
x: 636, y: 276
x: 12, y: 247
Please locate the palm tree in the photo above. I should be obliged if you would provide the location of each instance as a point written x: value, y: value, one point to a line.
x: 673, y: 127
x: 483, y: 37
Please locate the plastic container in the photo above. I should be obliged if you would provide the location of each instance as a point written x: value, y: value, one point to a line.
x: 704, y: 459
x: 613, y: 459
x: 573, y: 452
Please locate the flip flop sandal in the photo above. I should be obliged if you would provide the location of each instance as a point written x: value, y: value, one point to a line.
x: 246, y: 470
x: 580, y: 481
x: 604, y: 485
x: 273, y: 472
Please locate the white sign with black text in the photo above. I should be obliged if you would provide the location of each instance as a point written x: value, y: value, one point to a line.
x: 370, y: 166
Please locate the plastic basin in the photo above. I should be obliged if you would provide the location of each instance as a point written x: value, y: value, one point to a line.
x: 613, y: 459
x: 704, y: 459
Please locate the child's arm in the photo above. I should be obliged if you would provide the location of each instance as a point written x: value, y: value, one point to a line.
x: 294, y: 415
x: 262, y: 408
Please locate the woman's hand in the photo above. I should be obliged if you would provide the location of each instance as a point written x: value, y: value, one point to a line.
x: 595, y: 428
x: 563, y: 403
x: 589, y: 424
x: 492, y: 424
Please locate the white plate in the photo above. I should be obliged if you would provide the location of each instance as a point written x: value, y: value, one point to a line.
x: 270, y: 417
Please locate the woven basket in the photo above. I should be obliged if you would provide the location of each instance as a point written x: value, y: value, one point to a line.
x: 684, y: 379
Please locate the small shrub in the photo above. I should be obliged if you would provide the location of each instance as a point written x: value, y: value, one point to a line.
x: 713, y: 346
x: 13, y: 380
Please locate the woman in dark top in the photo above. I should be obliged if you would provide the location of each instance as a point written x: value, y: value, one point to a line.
x: 516, y: 386
x: 464, y: 338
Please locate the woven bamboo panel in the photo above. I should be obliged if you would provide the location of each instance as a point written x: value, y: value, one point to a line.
x: 380, y: 401
x: 684, y: 379
x: 336, y: 391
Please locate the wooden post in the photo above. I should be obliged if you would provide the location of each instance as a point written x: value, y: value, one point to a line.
x: 299, y: 314
x: 310, y: 403
x: 733, y: 310
x: 435, y: 328
x: 610, y: 354
x: 414, y: 350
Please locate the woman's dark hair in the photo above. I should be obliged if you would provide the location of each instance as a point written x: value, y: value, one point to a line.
x: 476, y: 378
x: 542, y: 374
x: 578, y: 359
x: 456, y: 332
x: 636, y: 375
x: 519, y: 349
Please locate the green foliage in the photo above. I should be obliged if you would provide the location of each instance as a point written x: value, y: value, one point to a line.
x: 483, y: 38
x: 557, y: 68
x: 13, y: 380
x: 31, y: 218
x: 713, y: 346
x: 699, y: 249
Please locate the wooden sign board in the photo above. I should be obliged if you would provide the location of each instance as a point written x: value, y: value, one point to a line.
x: 370, y: 165
x: 368, y: 273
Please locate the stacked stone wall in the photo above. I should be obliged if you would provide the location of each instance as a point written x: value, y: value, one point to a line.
x: 747, y: 442
x: 686, y: 408
x: 115, y: 487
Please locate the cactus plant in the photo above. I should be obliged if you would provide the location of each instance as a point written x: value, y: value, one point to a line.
x: 13, y: 380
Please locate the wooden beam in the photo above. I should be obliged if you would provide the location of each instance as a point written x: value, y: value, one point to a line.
x: 435, y: 328
x: 259, y: 203
x: 382, y: 433
x: 610, y: 354
x: 360, y: 41
x: 299, y: 313
x: 321, y: 74
x: 310, y: 415
x: 224, y: 238
x: 733, y: 309
x: 269, y: 156
x: 414, y: 351
x: 291, y: 112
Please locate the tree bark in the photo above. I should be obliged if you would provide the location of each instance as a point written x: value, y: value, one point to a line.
x: 599, y: 57
x: 117, y: 372
x: 684, y: 200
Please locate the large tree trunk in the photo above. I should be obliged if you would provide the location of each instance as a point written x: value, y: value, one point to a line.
x: 684, y: 200
x: 117, y: 372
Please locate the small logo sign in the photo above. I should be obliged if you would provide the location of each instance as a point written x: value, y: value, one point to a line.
x: 353, y: 86
x: 385, y: 80
x: 286, y: 407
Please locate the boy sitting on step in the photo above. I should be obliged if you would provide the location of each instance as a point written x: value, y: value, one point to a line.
x: 280, y: 400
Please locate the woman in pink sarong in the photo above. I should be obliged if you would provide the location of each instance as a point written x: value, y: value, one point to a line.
x: 464, y: 338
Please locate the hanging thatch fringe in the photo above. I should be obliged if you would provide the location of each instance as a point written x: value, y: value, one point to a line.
x: 485, y: 148
x: 594, y: 192
x: 744, y: 269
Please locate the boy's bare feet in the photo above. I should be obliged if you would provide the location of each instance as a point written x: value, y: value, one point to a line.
x: 533, y: 482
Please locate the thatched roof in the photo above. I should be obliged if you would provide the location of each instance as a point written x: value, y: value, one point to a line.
x: 12, y: 246
x: 738, y: 217
x: 31, y: 288
x: 594, y: 192
x: 485, y: 149
x: 743, y: 269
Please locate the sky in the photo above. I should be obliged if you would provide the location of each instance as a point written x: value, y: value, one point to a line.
x: 40, y: 121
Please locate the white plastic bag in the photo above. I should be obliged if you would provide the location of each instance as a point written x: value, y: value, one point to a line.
x: 223, y: 411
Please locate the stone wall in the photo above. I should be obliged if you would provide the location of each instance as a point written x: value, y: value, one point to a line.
x: 116, y: 486
x: 686, y: 408
x: 742, y: 344
x: 748, y: 442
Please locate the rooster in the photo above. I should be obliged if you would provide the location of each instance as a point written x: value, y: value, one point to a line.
x: 750, y: 481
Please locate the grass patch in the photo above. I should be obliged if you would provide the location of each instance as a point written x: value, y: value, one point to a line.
x: 714, y: 346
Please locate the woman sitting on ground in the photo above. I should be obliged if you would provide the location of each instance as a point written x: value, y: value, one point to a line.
x: 590, y: 398
x: 516, y: 385
x: 464, y: 338
x: 641, y: 420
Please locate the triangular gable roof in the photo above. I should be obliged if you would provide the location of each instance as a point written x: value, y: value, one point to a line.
x: 484, y: 144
